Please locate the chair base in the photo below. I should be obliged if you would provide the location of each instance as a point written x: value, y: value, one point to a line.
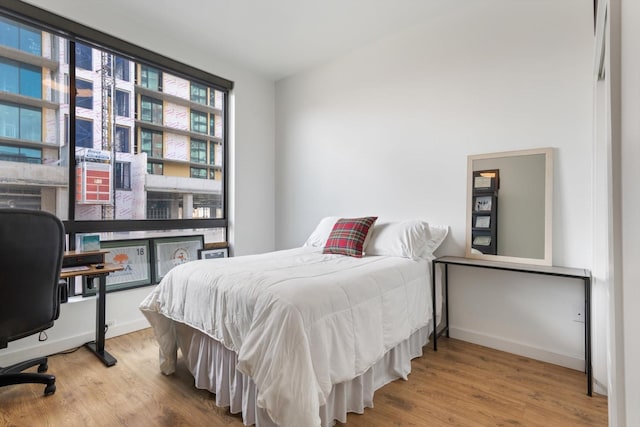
x: 13, y: 374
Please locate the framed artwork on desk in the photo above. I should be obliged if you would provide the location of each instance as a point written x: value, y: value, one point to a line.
x: 213, y: 253
x: 172, y: 251
x: 135, y: 258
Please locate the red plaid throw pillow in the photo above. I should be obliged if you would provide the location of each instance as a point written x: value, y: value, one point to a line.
x: 348, y: 236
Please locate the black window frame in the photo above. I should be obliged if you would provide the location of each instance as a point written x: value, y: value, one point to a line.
x: 73, y: 31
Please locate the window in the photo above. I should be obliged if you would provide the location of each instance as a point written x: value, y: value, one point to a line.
x: 198, y: 122
x: 199, y: 173
x: 84, y: 58
x: 198, y: 151
x: 212, y: 153
x: 21, y: 79
x: 84, y: 133
x: 84, y: 94
x: 20, y: 154
x: 19, y: 36
x: 150, y: 78
x: 37, y: 70
x: 151, y: 143
x: 122, y: 68
x: 122, y: 103
x: 20, y: 122
x: 154, y: 168
x: 212, y: 125
x: 151, y: 110
x: 122, y: 139
x: 122, y: 176
x: 198, y: 93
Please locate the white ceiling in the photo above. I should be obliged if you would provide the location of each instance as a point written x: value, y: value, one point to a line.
x: 275, y: 38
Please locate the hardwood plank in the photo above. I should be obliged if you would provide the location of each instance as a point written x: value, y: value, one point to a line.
x: 461, y: 384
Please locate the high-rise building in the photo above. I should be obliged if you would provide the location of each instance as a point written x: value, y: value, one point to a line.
x: 148, y: 144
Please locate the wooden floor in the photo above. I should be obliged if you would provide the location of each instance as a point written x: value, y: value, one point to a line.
x: 461, y: 384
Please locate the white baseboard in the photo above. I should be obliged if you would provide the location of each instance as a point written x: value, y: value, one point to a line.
x: 518, y: 348
x: 49, y: 347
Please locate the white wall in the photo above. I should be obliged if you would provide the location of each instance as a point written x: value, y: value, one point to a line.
x: 251, y: 170
x: 386, y: 130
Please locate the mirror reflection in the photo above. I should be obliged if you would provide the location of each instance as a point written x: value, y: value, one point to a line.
x: 509, y: 206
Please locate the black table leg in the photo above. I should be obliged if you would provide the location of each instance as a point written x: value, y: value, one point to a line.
x: 97, y: 346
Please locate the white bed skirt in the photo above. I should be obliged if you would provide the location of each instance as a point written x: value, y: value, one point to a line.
x: 238, y: 392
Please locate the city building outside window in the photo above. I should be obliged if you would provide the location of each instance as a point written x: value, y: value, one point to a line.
x: 200, y: 173
x: 198, y: 122
x: 198, y: 93
x: 198, y: 151
x: 123, y: 176
x: 84, y: 57
x: 40, y: 129
x: 84, y: 133
x: 122, y: 103
x: 20, y: 78
x: 122, y: 69
x: 151, y: 110
x: 122, y: 139
x: 150, y: 78
x: 84, y: 94
x: 151, y: 143
x: 20, y: 122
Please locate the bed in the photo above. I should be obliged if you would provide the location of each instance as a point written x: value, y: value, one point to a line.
x: 301, y: 337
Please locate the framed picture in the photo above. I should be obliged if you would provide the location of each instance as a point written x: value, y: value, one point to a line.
x: 171, y: 251
x: 134, y: 257
x: 482, y: 204
x: 213, y: 253
x: 483, y: 221
x: 486, y: 179
x: 482, y: 240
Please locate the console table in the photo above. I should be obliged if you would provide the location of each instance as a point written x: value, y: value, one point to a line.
x: 84, y: 264
x: 573, y: 273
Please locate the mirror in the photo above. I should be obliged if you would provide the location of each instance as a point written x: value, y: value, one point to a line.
x: 509, y: 206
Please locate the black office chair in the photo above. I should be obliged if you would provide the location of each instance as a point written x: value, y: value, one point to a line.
x: 31, y: 249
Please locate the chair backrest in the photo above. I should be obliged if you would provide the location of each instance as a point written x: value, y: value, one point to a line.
x: 31, y: 250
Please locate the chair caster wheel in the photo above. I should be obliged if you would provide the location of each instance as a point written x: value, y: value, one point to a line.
x: 43, y: 368
x: 49, y: 389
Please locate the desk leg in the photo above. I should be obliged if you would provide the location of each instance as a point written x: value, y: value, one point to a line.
x: 587, y: 335
x: 97, y: 346
x: 433, y: 303
x: 446, y: 296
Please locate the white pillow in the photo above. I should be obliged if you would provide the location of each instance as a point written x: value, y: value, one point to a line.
x: 319, y: 236
x: 413, y: 239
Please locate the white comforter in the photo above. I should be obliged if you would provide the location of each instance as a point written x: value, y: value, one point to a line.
x: 299, y: 320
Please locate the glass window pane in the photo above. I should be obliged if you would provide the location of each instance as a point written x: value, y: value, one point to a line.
x: 84, y: 58
x: 198, y: 93
x: 31, y: 81
x: 122, y: 139
x: 9, y: 120
x: 30, y: 123
x: 84, y: 133
x: 122, y: 68
x: 9, y: 76
x: 30, y: 40
x: 9, y: 33
x: 122, y: 103
x: 150, y: 77
x: 198, y: 122
x: 84, y: 94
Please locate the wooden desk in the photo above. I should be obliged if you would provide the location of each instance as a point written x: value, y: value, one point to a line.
x: 91, y: 273
x: 573, y: 273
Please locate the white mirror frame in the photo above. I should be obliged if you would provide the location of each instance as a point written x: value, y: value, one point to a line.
x: 548, y: 206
